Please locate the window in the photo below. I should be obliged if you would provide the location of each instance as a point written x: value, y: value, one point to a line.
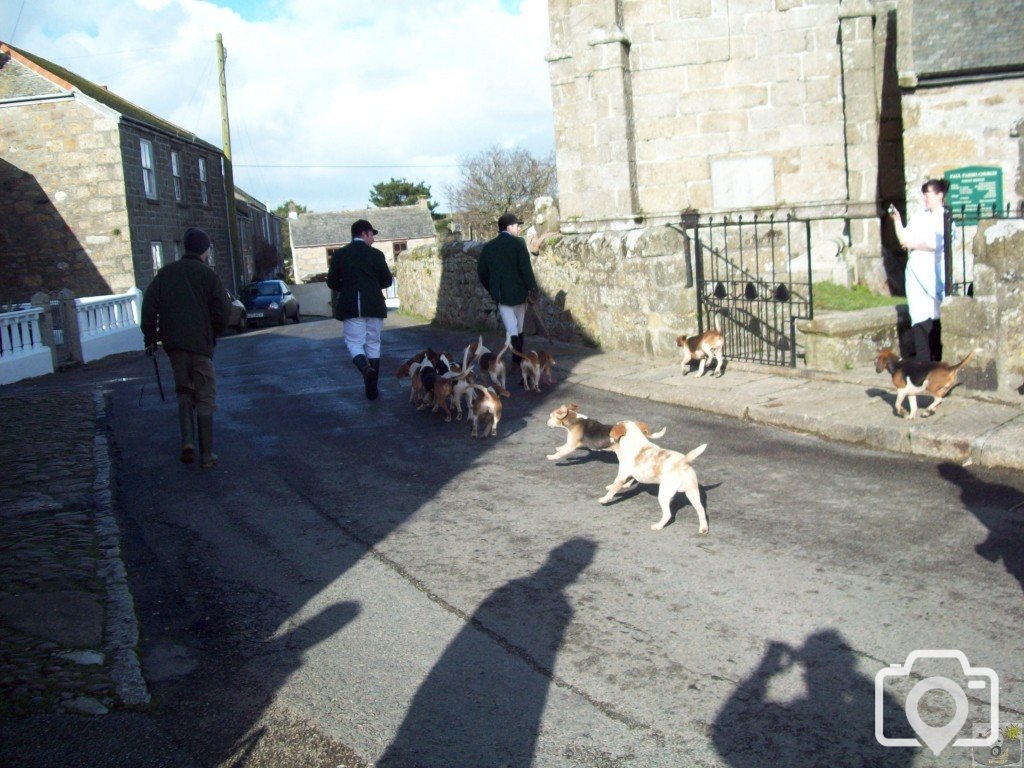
x: 400, y: 246
x: 176, y: 173
x: 148, y: 172
x: 211, y: 258
x: 204, y: 192
x: 177, y: 250
x: 157, y: 249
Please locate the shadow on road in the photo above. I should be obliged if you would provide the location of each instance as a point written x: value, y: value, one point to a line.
x: 482, y: 702
x: 833, y: 716
x: 1004, y: 521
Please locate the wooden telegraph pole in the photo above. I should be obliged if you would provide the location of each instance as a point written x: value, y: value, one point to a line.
x: 237, y: 267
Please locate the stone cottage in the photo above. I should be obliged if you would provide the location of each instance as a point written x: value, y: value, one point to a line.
x: 259, y: 234
x: 316, y: 236
x: 96, y: 192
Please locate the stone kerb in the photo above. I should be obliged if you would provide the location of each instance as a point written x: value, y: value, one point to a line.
x: 619, y: 290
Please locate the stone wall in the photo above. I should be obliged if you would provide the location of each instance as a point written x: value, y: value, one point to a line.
x: 991, y: 321
x: 619, y: 290
x: 64, y: 223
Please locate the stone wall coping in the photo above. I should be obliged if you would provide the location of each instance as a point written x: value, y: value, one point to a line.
x: 852, y: 323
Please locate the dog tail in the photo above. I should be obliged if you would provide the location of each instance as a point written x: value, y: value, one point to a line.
x: 967, y: 357
x: 508, y: 345
x: 695, y: 453
x: 660, y: 433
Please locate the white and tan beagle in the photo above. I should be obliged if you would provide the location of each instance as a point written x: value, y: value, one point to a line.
x: 641, y: 459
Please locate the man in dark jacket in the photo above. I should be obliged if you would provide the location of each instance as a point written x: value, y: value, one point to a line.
x: 186, y: 308
x: 359, y: 274
x: 504, y: 269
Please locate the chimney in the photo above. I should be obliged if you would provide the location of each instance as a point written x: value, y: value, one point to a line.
x: 293, y: 214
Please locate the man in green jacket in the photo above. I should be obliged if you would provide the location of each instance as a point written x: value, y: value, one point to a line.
x: 359, y: 274
x: 505, y: 271
x: 186, y: 308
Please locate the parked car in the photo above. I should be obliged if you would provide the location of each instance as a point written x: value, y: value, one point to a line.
x: 271, y: 301
x: 239, y: 317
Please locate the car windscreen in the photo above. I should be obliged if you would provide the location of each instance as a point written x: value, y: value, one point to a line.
x: 268, y: 289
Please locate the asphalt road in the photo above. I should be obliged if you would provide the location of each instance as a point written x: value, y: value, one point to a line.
x: 360, y: 582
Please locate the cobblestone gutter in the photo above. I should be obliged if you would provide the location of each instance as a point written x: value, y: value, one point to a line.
x: 67, y: 624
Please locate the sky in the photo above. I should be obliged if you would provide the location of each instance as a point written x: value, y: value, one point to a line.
x: 325, y: 97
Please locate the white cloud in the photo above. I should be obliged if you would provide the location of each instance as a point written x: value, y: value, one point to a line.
x: 317, y: 82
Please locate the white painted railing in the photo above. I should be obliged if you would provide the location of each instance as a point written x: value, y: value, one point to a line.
x: 108, y: 325
x: 22, y: 352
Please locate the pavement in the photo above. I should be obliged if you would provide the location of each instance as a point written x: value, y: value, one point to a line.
x: 67, y: 626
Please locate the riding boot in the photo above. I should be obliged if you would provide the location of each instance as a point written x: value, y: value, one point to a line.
x: 207, y: 456
x: 186, y: 426
x: 369, y: 372
x: 371, y: 387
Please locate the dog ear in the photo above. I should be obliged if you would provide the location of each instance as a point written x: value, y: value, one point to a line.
x: 643, y: 427
x: 680, y: 340
x: 561, y: 412
x: 617, y: 432
x: 574, y: 408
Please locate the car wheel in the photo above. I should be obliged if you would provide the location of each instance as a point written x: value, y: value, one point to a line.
x: 243, y: 323
x: 280, y: 317
x: 298, y: 316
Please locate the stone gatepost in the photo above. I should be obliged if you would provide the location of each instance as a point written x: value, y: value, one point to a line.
x: 42, y: 300
x: 992, y: 320
x: 72, y: 333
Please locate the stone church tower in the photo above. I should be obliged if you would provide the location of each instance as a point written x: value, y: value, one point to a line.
x: 819, y: 108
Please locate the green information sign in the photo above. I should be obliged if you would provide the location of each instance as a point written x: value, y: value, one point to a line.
x: 971, y: 187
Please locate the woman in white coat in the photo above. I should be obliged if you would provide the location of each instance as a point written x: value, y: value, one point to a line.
x: 925, y: 240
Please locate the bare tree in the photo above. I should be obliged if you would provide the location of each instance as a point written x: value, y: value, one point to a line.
x: 498, y: 181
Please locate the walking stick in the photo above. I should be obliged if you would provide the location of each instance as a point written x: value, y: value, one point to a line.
x: 151, y: 351
x: 540, y: 321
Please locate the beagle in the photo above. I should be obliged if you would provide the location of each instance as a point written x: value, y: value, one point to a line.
x: 644, y: 461
x: 703, y: 347
x: 582, y: 432
x: 915, y: 377
x: 491, y: 365
x: 535, y: 365
x: 486, y: 402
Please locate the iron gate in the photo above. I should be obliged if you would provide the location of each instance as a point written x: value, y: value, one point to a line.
x: 753, y: 284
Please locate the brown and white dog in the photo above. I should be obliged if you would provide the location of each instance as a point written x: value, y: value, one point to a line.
x: 535, y: 365
x: 492, y: 365
x: 583, y: 432
x: 916, y: 377
x: 703, y: 347
x: 641, y: 459
x: 486, y: 402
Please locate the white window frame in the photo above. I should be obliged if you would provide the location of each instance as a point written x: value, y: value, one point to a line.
x: 156, y: 249
x: 204, y: 192
x: 148, y: 169
x: 177, y: 250
x: 211, y: 259
x: 176, y: 174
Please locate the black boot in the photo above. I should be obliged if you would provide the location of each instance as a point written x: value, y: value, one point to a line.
x: 372, y: 393
x: 207, y: 456
x: 186, y: 426
x: 369, y: 372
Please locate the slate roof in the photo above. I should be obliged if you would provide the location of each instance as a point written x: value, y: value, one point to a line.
x: 962, y: 37
x: 403, y: 222
x: 66, y: 80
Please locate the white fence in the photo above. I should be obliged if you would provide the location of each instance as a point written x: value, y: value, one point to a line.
x: 22, y: 351
x: 108, y: 325
x: 98, y: 326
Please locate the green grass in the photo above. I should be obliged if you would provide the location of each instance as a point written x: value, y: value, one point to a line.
x: 828, y: 295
